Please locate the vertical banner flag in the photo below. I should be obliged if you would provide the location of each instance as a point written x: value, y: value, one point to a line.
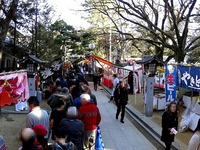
x: 170, y: 83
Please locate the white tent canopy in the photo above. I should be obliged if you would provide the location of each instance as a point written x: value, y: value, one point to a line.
x: 136, y: 67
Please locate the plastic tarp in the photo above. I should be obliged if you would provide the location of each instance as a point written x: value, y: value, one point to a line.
x: 136, y: 67
x: 13, y: 88
x: 103, y: 60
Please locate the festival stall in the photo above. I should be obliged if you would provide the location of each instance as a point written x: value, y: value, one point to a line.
x: 189, y: 78
x: 14, y: 89
x: 32, y: 64
x: 122, y: 72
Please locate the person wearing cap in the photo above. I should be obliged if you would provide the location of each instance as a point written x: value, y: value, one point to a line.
x: 37, y: 115
x: 28, y: 139
x: 115, y: 83
x: 69, y: 98
x: 73, y: 127
x: 91, y: 117
x: 41, y: 132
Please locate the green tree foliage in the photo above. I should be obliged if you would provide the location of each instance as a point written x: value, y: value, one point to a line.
x: 28, y: 17
x: 59, y: 36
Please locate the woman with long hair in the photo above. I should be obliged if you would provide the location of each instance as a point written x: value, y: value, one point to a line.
x: 169, y: 124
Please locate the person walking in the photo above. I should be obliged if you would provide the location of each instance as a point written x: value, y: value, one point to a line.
x: 130, y: 82
x: 121, y: 99
x: 115, y: 82
x: 37, y: 115
x: 95, y: 81
x: 90, y: 115
x: 169, y: 123
x: 73, y: 127
x: 194, y: 143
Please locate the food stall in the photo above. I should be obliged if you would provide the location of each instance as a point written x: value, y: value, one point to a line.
x: 189, y: 78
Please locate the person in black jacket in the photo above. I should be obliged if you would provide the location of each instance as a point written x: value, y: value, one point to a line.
x: 95, y: 81
x: 121, y: 99
x: 73, y: 127
x: 169, y: 121
x: 130, y: 82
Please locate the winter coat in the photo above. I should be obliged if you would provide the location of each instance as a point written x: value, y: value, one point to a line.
x: 169, y: 120
x: 90, y: 115
x: 194, y: 143
x: 121, y: 95
x: 66, y: 146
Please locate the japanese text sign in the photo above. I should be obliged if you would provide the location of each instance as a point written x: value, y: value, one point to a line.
x: 170, y: 83
x: 189, y: 77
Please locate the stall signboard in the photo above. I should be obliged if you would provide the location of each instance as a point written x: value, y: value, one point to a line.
x: 189, y: 77
x: 170, y: 83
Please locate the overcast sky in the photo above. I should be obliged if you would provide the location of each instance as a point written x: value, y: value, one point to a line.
x: 65, y: 9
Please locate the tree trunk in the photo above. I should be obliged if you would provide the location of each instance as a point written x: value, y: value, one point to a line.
x: 159, y: 52
x: 5, y: 23
x: 179, y: 55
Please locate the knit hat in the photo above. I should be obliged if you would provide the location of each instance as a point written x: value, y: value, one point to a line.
x: 65, y: 90
x: 39, y: 129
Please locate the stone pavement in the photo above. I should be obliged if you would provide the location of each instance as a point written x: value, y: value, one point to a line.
x: 153, y: 124
x: 115, y: 135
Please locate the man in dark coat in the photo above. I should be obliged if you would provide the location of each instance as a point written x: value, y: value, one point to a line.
x: 95, y: 81
x: 121, y: 99
x: 130, y: 82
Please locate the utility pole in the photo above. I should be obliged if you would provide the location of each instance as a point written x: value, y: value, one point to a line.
x: 36, y: 26
x: 110, y: 49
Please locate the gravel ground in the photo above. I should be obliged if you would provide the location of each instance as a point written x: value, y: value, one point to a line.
x: 11, y: 125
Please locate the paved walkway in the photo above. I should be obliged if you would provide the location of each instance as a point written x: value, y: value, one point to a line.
x: 115, y: 135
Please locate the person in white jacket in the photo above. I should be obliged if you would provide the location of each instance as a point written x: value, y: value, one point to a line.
x: 194, y: 143
x: 115, y: 83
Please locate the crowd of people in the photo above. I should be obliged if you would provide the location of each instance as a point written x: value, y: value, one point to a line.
x: 72, y: 121
x: 74, y: 116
